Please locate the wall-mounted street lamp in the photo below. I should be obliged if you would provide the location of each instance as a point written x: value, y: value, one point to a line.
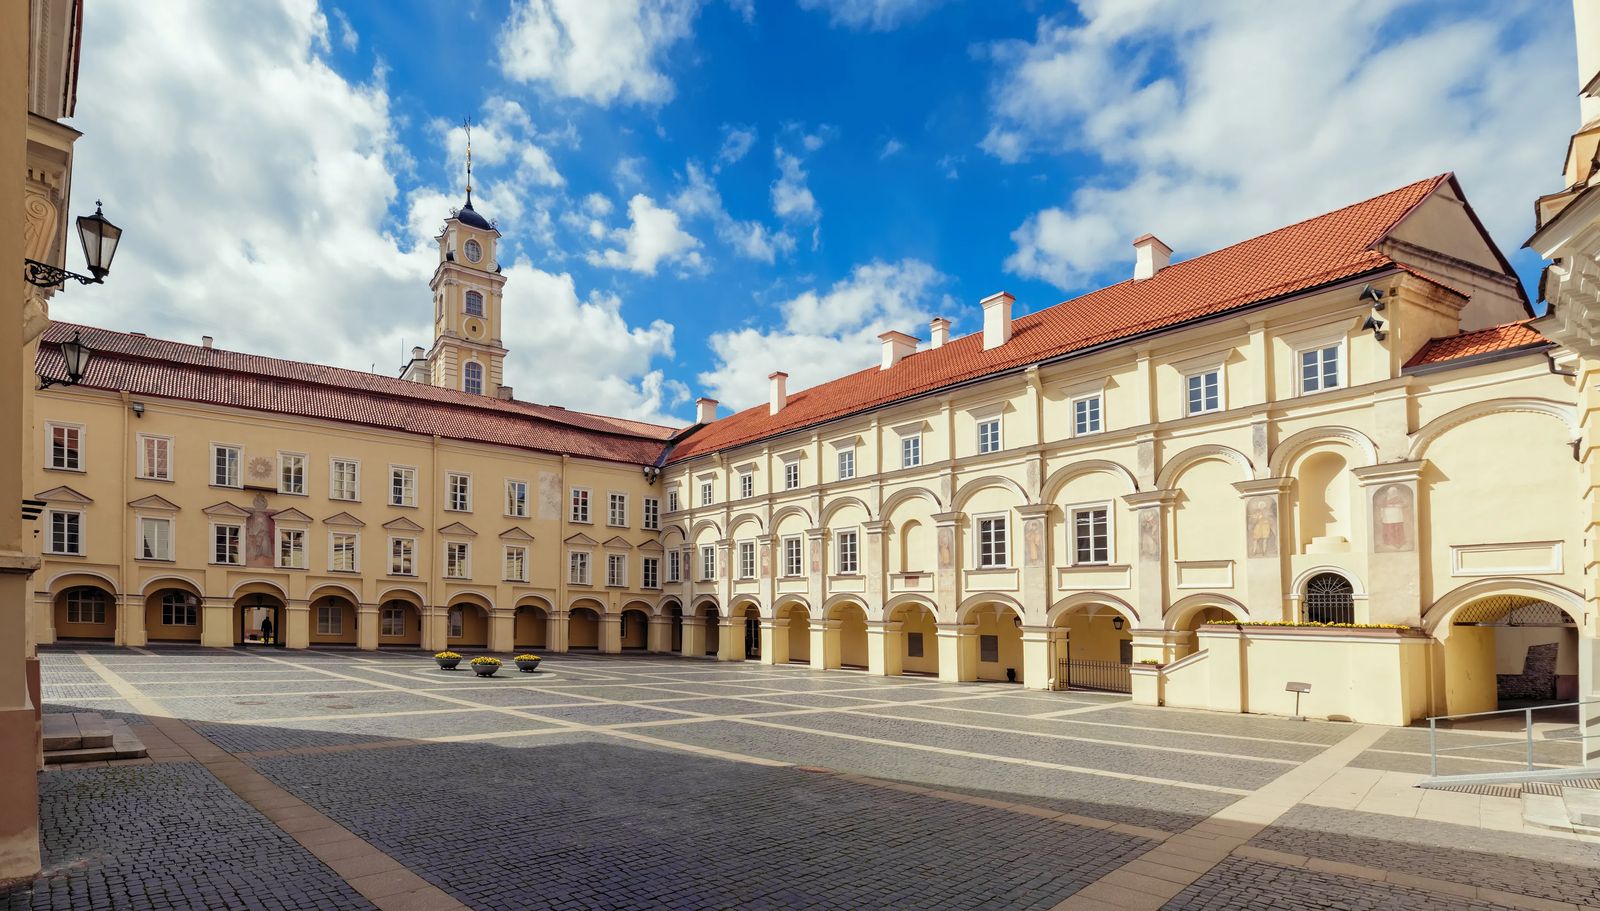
x: 75, y: 357
x: 99, y: 238
x: 1117, y: 622
x: 651, y: 473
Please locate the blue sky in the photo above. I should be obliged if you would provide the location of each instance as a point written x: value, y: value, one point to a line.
x: 695, y: 194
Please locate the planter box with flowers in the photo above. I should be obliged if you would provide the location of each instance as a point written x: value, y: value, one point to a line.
x: 447, y: 660
x: 527, y: 663
x: 484, y: 666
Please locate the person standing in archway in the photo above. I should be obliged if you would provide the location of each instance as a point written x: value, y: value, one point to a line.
x: 266, y: 630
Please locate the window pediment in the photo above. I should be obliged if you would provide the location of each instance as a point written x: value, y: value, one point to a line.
x: 344, y: 519
x: 582, y: 540
x: 515, y: 534
x: 153, y: 502
x: 402, y: 524
x: 457, y: 528
x: 62, y: 494
x: 227, y: 510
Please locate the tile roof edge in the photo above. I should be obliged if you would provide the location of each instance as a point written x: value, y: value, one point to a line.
x: 1472, y: 360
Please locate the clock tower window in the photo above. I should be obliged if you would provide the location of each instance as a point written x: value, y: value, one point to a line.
x: 474, y: 303
x: 472, y: 378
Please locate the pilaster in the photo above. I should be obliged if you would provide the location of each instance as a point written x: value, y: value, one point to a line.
x: 958, y: 652
x: 131, y: 622
x: 297, y: 624
x: 694, y: 635
x: 1265, y: 503
x: 1394, y: 568
x: 885, y: 646
x: 1038, y: 652
x: 730, y: 639
x: 367, y: 627
x: 946, y: 591
x: 610, y: 633
x: 502, y: 631
x: 217, y: 623
x: 775, y: 640
x: 1035, y: 563
x: 1150, y: 510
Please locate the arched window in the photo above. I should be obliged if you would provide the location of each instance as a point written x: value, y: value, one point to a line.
x: 474, y: 303
x: 86, y: 605
x: 472, y: 378
x: 1330, y: 599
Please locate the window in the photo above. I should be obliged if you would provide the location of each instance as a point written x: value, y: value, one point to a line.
x: 1086, y: 415
x: 747, y: 486
x: 617, y: 509
x: 472, y: 378
x: 66, y: 532
x: 516, y: 563
x: 458, y: 492
x: 708, y: 563
x: 1204, y: 391
x: 344, y: 479
x: 291, y: 473
x: 517, y: 499
x: 66, y: 447
x: 847, y: 464
x: 706, y: 498
x: 650, y: 572
x: 988, y: 435
x: 793, y: 565
x: 992, y: 551
x: 674, y: 566
x: 672, y: 500
x: 402, y: 486
x: 847, y: 553
x: 225, y: 466
x: 155, y: 458
x: 392, y: 622
x: 617, y: 570
x: 155, y: 539
x: 457, y: 617
x: 911, y: 450
x: 913, y: 645
x: 402, y: 556
x: 988, y: 649
x: 652, y: 514
x: 580, y: 504
x: 1319, y: 369
x: 86, y: 605
x: 225, y: 543
x: 1091, y: 536
x: 179, y: 609
x: 578, y: 567
x: 791, y: 475
x: 342, y: 552
x: 292, y: 548
x: 456, y: 565
x: 747, y: 559
x: 330, y: 619
x: 474, y: 298
x: 1330, y: 599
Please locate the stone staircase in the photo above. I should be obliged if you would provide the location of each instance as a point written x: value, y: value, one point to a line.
x: 87, y: 737
x: 1569, y: 805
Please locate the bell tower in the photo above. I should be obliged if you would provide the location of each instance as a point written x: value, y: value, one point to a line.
x: 466, y: 353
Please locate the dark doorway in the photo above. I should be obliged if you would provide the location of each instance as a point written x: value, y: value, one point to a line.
x: 260, y: 622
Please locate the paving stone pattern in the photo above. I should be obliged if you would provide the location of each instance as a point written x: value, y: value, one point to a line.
x: 1241, y: 883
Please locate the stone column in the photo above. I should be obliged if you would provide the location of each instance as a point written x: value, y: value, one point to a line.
x: 775, y: 641
x: 1035, y: 564
x: 131, y: 621
x: 659, y: 637
x: 297, y: 624
x: 730, y: 639
x: 367, y: 627
x: 556, y: 635
x: 435, y: 628
x: 502, y: 631
x: 218, y: 623
x: 694, y: 635
x: 44, y: 618
x: 1394, y: 568
x: 958, y: 652
x: 825, y: 643
x: 1150, y: 570
x: 610, y: 633
x: 886, y: 644
x: 1265, y: 502
x: 1038, y: 669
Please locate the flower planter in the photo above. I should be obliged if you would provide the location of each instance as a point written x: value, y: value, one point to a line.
x: 528, y: 667
x: 485, y: 670
x: 447, y: 664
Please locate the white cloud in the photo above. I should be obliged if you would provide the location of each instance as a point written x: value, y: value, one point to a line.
x: 596, y: 50
x: 653, y: 236
x: 824, y: 335
x: 791, y: 197
x: 347, y: 33
x: 891, y: 148
x: 699, y: 198
x: 597, y: 205
x: 504, y: 136
x: 1217, y: 121
x: 875, y: 15
x: 628, y: 172
x: 258, y: 190
x: 736, y: 142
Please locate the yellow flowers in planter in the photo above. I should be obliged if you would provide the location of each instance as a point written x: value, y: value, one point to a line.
x: 527, y: 658
x: 486, y: 660
x: 447, y: 655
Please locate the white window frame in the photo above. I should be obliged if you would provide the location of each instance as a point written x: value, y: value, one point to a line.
x: 286, y: 460
x: 616, y: 509
x: 578, y: 503
x: 985, y: 554
x: 1099, y: 424
x: 672, y: 500
x: 911, y: 449
x: 708, y: 492
x: 73, y: 457
x: 649, y: 572
x: 986, y: 445
x: 708, y: 563
x: 1109, y: 533
x: 235, y: 479
x: 516, y: 498
x: 580, y: 568
x: 1321, y: 348
x: 1200, y: 374
x: 847, y: 552
x: 617, y: 570
x: 162, y: 552
x: 385, y: 614
x: 238, y: 544
x: 468, y: 380
x: 183, y: 612
x: 747, y: 560
x: 407, y: 476
x: 334, y: 540
x: 294, y: 540
x: 794, y: 556
x: 845, y: 463
x: 330, y: 620
x: 651, y: 520
x: 336, y: 468
x: 453, y: 503
x: 674, y: 566
x: 458, y: 567
x: 519, y: 554
x: 65, y: 549
x: 791, y: 474
x: 747, y: 485
x: 405, y: 562
x: 145, y: 439
x: 83, y: 598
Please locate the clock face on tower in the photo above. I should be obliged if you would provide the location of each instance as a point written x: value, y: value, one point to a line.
x: 474, y: 252
x: 474, y: 328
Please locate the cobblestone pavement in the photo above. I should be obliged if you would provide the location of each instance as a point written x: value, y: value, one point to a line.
x: 652, y: 781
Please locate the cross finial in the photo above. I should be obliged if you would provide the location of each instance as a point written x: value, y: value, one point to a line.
x: 466, y: 124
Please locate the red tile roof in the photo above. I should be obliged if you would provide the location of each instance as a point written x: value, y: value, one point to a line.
x: 1306, y: 255
x: 1508, y: 337
x: 159, y: 368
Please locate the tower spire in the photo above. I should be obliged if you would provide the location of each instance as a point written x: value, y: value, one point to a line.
x: 466, y: 124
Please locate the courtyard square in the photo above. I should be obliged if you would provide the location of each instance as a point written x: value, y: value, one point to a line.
x: 344, y: 779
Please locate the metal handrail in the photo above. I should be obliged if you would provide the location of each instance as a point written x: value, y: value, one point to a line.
x: 1526, y: 740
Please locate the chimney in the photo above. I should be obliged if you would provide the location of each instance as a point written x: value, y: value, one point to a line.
x: 417, y: 353
x: 896, y: 345
x: 504, y: 393
x: 205, y: 341
x: 705, y: 410
x: 780, y: 391
x: 1150, y: 256
x: 997, y: 319
x: 940, y: 331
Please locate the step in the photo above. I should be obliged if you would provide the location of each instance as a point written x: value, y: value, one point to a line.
x: 94, y: 730
x: 1583, y: 806
x: 1545, y: 811
x: 61, y: 732
x: 114, y: 740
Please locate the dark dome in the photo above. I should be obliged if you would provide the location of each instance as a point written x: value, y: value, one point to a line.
x: 469, y: 216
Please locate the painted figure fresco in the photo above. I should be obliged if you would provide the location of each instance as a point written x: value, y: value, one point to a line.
x: 258, y: 534
x: 1393, y: 519
x: 1261, y: 521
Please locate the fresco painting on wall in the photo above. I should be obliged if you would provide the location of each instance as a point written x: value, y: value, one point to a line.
x: 1393, y: 519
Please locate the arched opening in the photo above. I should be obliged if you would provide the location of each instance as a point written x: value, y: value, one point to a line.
x: 467, y: 625
x: 1194, y: 622
x: 919, y: 639
x: 172, y: 615
x: 1323, y: 502
x: 1097, y: 650
x: 260, y: 620
x: 713, y: 627
x: 583, y: 627
x: 1329, y: 598
x: 852, y: 631
x: 635, y: 629
x: 86, y: 612
x: 399, y: 624
x: 999, y: 642
x: 531, y: 627
x: 752, y: 633
x: 333, y: 621
x: 799, y: 633
x: 1509, y: 652
x: 914, y: 547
